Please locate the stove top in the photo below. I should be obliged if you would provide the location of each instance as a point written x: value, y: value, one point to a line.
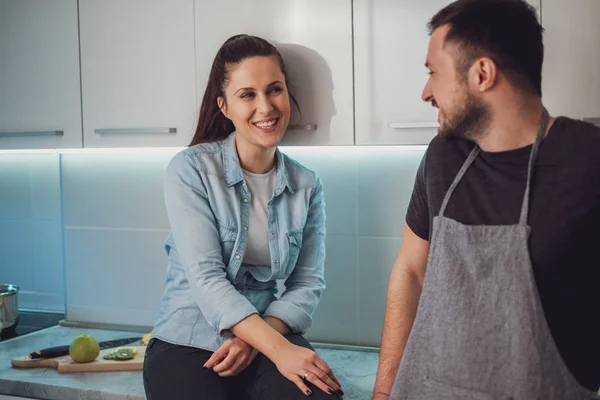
x: 31, y: 321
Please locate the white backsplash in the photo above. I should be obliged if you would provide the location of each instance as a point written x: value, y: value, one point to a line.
x: 31, y: 245
x: 115, y: 225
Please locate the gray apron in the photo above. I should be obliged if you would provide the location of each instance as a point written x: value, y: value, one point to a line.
x: 480, y: 331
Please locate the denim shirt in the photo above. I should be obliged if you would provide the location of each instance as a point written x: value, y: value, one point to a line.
x: 208, y: 288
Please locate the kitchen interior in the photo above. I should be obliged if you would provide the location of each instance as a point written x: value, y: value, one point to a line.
x: 96, y: 96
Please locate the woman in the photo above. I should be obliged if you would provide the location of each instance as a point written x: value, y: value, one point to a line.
x: 243, y: 215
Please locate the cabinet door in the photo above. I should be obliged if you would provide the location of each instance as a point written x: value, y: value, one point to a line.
x: 315, y: 40
x: 391, y: 40
x: 137, y: 67
x: 40, y: 105
x: 571, y: 74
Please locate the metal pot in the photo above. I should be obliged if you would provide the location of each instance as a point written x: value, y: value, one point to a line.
x: 9, y: 306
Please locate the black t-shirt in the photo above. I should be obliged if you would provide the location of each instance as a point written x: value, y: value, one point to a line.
x: 564, y: 216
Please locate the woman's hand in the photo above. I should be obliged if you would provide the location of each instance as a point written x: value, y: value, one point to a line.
x: 299, y: 364
x: 231, y: 358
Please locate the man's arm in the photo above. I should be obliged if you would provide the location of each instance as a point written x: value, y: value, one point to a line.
x: 404, y: 290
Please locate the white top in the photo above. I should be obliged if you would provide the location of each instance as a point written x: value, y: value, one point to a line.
x: 261, y: 187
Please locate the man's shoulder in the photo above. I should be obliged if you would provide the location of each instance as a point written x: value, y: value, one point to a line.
x: 449, y: 143
x: 575, y: 142
x: 446, y: 154
x: 578, y: 131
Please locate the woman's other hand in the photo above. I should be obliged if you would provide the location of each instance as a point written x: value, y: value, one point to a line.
x: 299, y: 364
x: 231, y: 358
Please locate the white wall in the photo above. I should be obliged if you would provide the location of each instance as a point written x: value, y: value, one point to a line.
x: 31, y: 229
x: 115, y: 226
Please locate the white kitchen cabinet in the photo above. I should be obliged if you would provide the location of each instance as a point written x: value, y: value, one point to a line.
x: 39, y: 74
x: 137, y: 72
x: 315, y: 40
x: 571, y: 74
x: 390, y: 46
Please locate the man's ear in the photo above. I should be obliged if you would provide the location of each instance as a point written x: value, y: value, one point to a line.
x: 485, y: 74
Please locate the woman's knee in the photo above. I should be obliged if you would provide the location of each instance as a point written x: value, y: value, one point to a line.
x: 175, y: 372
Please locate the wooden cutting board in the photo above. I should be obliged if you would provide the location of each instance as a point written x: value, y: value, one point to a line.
x: 65, y: 364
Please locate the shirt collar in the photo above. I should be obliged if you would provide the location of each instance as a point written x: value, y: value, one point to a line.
x: 233, y: 169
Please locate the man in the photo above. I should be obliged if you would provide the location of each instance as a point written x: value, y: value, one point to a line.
x: 494, y: 294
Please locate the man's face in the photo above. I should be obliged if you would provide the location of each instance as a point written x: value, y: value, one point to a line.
x: 461, y: 112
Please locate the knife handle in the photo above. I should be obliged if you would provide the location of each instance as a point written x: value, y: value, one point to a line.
x: 50, y: 352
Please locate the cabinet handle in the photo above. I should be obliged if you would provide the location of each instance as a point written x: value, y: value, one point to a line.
x: 308, y: 127
x: 413, y: 125
x: 135, y: 131
x: 31, y: 134
x: 593, y: 120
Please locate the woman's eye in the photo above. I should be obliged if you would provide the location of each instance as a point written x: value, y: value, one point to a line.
x: 247, y: 95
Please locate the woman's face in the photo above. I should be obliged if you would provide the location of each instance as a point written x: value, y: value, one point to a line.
x: 257, y: 102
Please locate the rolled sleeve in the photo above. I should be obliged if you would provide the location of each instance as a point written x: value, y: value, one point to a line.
x: 305, y: 284
x: 294, y: 316
x: 196, y: 236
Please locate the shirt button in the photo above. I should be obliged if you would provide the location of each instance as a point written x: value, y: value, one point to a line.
x: 245, y: 228
x: 275, y: 261
x: 237, y: 257
x: 272, y: 233
x: 245, y: 200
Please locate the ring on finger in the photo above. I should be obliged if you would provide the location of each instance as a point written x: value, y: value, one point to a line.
x: 306, y: 375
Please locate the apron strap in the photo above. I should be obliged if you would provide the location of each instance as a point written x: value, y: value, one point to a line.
x: 543, y: 125
x: 458, y: 177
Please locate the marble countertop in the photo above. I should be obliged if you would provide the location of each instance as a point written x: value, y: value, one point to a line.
x: 47, y: 383
x: 355, y: 370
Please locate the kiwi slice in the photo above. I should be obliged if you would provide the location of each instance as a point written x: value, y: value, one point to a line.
x: 124, y: 354
x: 120, y: 354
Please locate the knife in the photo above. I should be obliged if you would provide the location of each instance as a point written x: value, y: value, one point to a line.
x: 59, y: 351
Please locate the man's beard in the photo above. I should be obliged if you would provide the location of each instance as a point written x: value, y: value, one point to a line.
x: 469, y: 122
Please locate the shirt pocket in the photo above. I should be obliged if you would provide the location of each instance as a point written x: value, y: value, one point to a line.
x: 294, y: 242
x: 227, y: 237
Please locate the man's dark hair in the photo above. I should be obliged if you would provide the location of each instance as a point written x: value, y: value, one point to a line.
x: 506, y: 31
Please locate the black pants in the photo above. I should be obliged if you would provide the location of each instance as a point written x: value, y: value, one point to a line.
x: 173, y: 372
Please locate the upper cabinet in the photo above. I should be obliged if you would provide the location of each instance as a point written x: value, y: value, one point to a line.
x: 132, y: 73
x: 315, y: 39
x: 137, y: 72
x: 390, y: 46
x: 40, y: 103
x: 571, y: 74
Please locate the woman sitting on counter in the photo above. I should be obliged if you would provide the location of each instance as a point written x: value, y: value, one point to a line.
x: 243, y: 215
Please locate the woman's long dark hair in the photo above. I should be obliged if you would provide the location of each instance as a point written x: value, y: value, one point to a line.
x: 212, y: 124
